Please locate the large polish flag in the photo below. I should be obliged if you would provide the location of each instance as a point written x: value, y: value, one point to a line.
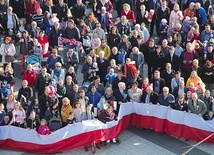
x: 158, y: 118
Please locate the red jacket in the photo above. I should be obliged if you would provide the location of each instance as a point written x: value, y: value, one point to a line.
x: 30, y: 77
x: 129, y: 15
x: 32, y: 8
x: 45, y: 44
x: 133, y: 69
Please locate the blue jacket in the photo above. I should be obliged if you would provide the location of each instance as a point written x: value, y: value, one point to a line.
x: 94, y: 98
x: 169, y: 101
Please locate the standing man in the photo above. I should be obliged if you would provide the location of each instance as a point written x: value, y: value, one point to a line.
x: 78, y: 11
x: 157, y: 82
x: 43, y: 79
x: 10, y: 20
x: 197, y: 106
x: 26, y: 44
x: 103, y: 64
x: 62, y: 11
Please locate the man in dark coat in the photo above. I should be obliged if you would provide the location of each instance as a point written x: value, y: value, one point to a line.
x: 157, y: 82
x: 62, y: 11
x: 149, y: 96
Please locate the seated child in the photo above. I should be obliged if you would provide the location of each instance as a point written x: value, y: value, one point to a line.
x: 33, y: 121
x: 43, y: 128
x: 71, y: 119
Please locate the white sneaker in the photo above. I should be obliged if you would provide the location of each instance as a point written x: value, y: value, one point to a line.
x: 108, y: 141
x: 114, y: 140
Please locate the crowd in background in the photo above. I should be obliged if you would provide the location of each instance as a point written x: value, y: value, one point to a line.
x: 125, y: 59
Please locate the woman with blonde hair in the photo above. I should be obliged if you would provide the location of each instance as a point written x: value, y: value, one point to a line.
x: 128, y: 13
x: 9, y: 103
x: 18, y: 115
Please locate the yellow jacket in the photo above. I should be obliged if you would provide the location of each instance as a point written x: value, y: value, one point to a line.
x: 196, y: 81
x: 106, y: 50
x: 65, y: 110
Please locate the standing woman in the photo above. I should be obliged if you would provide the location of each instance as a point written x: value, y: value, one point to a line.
x: 176, y: 16
x: 50, y: 7
x: 7, y: 51
x: 113, y: 38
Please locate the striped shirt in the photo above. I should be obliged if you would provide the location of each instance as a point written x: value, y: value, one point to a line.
x: 39, y: 20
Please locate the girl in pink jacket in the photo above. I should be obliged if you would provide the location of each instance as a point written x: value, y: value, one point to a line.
x: 43, y: 128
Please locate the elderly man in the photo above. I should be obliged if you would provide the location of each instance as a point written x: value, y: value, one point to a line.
x: 157, y: 82
x: 10, y: 20
x: 197, y: 106
x: 149, y: 96
x: 166, y: 99
x: 180, y: 89
x: 138, y: 57
x: 121, y: 95
x: 123, y: 26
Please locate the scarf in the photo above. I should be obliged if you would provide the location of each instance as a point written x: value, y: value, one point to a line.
x: 57, y: 72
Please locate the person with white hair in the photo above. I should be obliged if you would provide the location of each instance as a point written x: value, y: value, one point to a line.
x: 166, y: 98
x: 149, y: 96
x: 138, y: 57
x: 10, y: 20
x: 121, y: 95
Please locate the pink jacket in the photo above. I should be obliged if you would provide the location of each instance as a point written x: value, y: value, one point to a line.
x: 43, y: 130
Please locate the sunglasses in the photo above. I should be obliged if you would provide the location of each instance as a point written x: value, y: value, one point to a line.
x: 58, y: 66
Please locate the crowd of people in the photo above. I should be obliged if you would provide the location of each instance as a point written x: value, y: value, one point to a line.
x: 124, y: 60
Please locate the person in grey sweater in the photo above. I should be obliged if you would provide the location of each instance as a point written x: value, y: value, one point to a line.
x: 71, y: 31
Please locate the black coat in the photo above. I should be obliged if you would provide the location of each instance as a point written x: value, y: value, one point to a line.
x: 124, y: 29
x: 174, y: 61
x: 119, y: 98
x: 162, y: 84
x: 116, y: 81
x: 18, y: 7
x: 41, y: 83
x: 53, y: 38
x: 207, y: 78
x: 141, y: 19
x: 175, y: 91
x: 78, y: 12
x: 102, y: 68
x: 153, y: 97
x: 14, y: 19
x: 62, y: 11
x: 113, y: 40
x: 46, y: 8
x: 168, y: 78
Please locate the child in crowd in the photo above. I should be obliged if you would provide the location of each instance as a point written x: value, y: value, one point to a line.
x: 190, y: 35
x: 43, y: 128
x: 2, y: 114
x: 170, y: 30
x: 33, y: 121
x: 94, y: 69
x: 110, y: 77
x: 178, y: 49
x: 210, y: 115
x: 186, y: 25
x: 102, y: 105
x: 170, y: 41
x: 121, y: 57
x: 9, y: 74
x: 196, y: 33
x: 95, y: 41
x: 78, y: 110
x: 21, y: 26
x: 71, y: 119
x: 107, y: 116
x: 71, y: 72
x: 5, y: 90
x: 177, y: 32
x: 192, y: 88
x: 88, y: 114
x: 35, y: 107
